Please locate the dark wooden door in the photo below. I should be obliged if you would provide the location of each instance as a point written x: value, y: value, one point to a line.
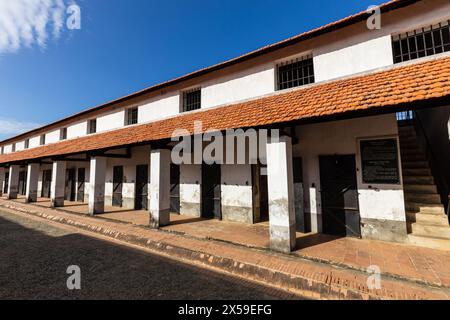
x: 22, y: 182
x: 117, y: 186
x: 211, y: 189
x: 46, y: 183
x: 141, y: 187
x: 81, y: 184
x: 340, y: 208
x: 71, y: 185
x: 5, y: 189
x: 174, y: 188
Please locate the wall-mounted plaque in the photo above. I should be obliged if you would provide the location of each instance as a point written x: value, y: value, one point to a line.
x: 379, y: 160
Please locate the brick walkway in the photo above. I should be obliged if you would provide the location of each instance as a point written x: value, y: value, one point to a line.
x: 312, y: 279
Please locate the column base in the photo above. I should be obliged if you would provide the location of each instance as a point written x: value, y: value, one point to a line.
x: 58, y: 203
x: 12, y: 196
x: 283, y: 239
x: 98, y: 208
x: 31, y: 198
x: 159, y: 218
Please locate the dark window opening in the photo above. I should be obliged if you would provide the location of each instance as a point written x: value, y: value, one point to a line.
x: 192, y: 100
x: 63, y: 135
x: 42, y: 140
x: 92, y: 126
x: 421, y: 43
x: 13, y: 148
x: 27, y: 144
x: 131, y: 116
x: 295, y: 73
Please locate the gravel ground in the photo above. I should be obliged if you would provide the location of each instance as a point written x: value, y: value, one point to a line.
x: 35, y: 255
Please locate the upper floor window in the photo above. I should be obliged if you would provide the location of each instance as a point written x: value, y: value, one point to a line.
x: 3, y: 150
x: 27, y: 143
x: 92, y: 126
x: 295, y: 73
x: 192, y: 99
x: 42, y: 140
x: 13, y: 147
x: 63, y: 134
x: 131, y: 116
x: 422, y: 42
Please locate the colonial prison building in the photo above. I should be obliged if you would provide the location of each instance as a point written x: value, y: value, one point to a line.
x: 363, y: 117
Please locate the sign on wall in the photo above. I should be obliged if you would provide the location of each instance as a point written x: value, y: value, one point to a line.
x: 379, y: 160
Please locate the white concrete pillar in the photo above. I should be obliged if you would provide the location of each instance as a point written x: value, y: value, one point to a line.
x: 32, y: 182
x: 159, y: 193
x: 280, y: 178
x: 58, y: 185
x: 13, y: 183
x: 2, y: 180
x: 97, y: 174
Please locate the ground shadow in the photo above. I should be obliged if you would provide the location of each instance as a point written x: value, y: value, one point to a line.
x: 35, y: 257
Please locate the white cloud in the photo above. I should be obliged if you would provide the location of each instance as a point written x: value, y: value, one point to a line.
x: 10, y: 127
x: 24, y: 23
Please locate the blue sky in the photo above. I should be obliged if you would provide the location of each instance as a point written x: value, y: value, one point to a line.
x: 127, y: 45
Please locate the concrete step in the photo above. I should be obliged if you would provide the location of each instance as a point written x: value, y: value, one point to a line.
x: 417, y: 172
x: 423, y: 197
x: 428, y: 219
x: 429, y: 242
x: 417, y: 207
x: 415, y: 165
x: 418, y: 180
x: 420, y: 188
x: 431, y: 230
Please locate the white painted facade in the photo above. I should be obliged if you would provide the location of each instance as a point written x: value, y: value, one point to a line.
x: 342, y: 53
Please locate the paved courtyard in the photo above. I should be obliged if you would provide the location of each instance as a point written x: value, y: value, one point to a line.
x: 408, y: 261
x: 34, y: 257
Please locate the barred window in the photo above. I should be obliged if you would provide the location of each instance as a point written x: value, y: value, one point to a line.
x: 192, y: 100
x: 13, y: 147
x: 27, y: 143
x: 92, y: 126
x: 42, y: 140
x: 295, y: 73
x: 422, y: 42
x: 131, y: 116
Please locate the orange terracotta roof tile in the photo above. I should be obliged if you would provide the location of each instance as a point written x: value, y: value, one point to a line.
x: 380, y: 91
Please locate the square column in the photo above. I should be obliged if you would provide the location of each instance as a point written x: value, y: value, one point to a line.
x: 32, y: 182
x: 97, y: 185
x: 58, y: 185
x: 280, y: 177
x: 159, y: 192
x: 13, y: 183
x: 2, y: 180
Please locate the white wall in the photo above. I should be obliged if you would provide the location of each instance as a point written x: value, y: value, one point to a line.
x: 77, y: 130
x: 190, y: 190
x: 368, y: 55
x: 341, y: 137
x: 160, y: 107
x: 246, y: 84
x: 53, y: 136
x: 111, y: 120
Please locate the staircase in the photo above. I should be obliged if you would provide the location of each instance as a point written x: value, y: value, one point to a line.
x: 428, y: 225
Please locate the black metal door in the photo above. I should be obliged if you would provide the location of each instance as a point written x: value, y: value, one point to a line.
x: 46, y: 183
x: 340, y: 208
x: 117, y: 186
x: 22, y: 182
x: 141, y: 187
x: 81, y: 184
x: 174, y: 188
x: 211, y: 197
x: 5, y: 189
x: 71, y: 184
